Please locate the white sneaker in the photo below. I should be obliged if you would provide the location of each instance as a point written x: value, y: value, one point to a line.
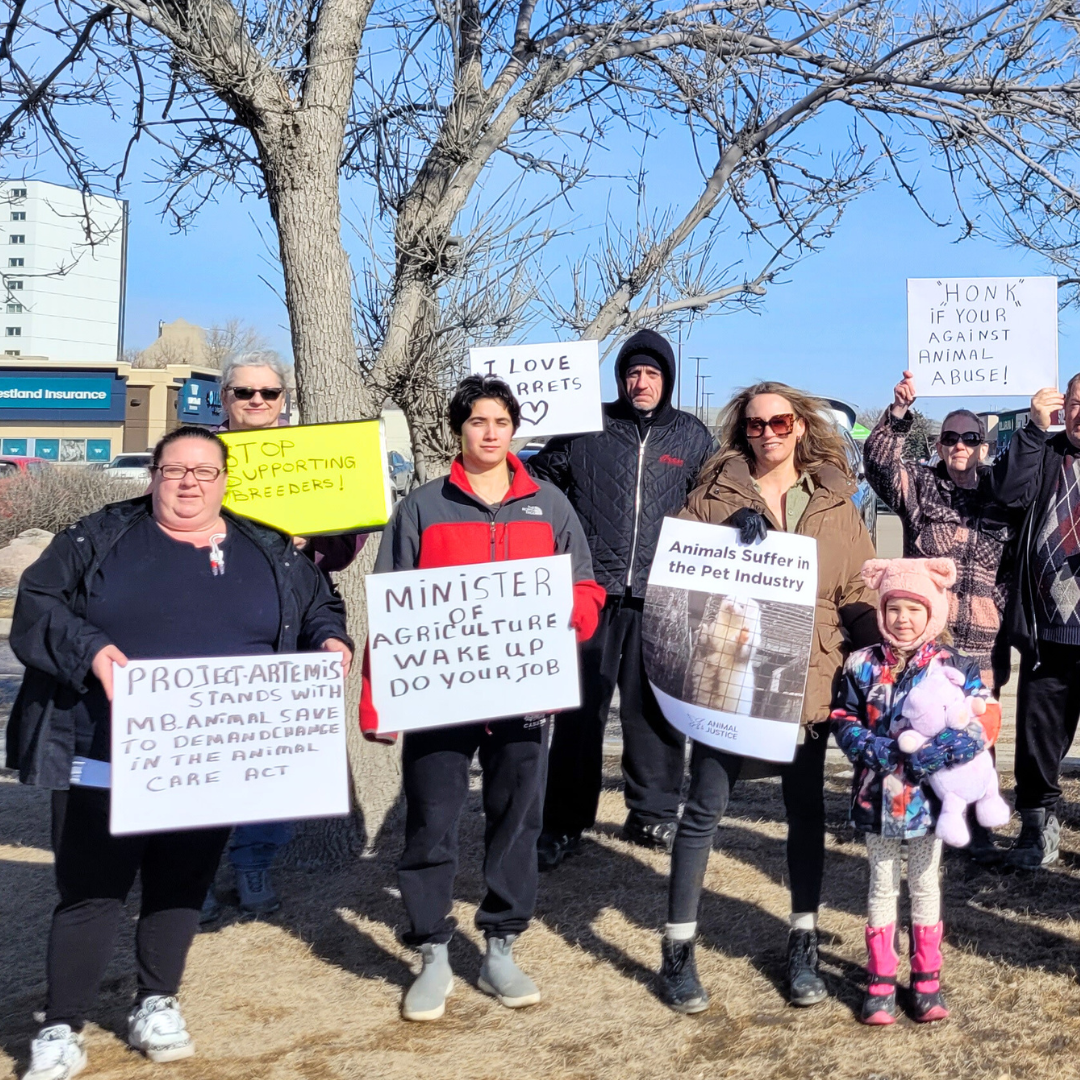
x: 158, y: 1030
x: 56, y: 1054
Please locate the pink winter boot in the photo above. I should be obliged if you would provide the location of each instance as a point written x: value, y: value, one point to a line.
x: 879, y: 1005
x: 928, y: 1001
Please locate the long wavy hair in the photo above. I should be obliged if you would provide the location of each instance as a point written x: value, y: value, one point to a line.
x: 821, y: 445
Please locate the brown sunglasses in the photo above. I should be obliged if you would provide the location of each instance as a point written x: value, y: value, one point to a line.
x: 781, y: 424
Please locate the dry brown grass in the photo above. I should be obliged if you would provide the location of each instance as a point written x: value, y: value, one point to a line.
x: 315, y: 993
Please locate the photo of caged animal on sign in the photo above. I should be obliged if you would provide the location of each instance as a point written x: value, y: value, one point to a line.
x: 735, y: 655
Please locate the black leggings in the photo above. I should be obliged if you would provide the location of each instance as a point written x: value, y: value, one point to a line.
x: 713, y: 774
x: 94, y: 873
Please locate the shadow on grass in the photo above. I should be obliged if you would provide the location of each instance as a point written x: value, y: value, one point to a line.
x: 988, y: 913
x: 980, y: 905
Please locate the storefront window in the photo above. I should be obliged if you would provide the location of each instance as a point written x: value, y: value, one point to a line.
x: 72, y: 449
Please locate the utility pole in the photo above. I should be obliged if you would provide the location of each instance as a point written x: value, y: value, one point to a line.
x: 697, y: 380
x: 678, y: 373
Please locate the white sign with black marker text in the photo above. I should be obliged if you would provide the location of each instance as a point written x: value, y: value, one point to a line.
x: 227, y: 740
x: 727, y: 633
x: 480, y: 642
x: 557, y: 384
x: 982, y: 337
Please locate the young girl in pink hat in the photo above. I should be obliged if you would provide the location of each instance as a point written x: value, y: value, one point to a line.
x: 891, y: 802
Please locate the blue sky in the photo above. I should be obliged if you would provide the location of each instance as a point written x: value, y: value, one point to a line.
x: 837, y: 327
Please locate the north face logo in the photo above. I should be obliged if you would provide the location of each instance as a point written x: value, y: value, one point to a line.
x: 667, y: 459
x: 534, y: 511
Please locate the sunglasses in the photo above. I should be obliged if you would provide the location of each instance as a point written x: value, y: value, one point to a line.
x: 969, y: 438
x: 246, y: 393
x: 781, y: 424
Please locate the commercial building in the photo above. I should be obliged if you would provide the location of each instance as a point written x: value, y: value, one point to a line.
x: 63, y: 267
x: 93, y: 411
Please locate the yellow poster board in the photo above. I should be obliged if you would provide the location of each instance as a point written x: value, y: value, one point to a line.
x: 312, y: 479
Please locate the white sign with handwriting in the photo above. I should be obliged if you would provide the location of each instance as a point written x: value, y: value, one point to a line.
x: 982, y: 337
x: 557, y: 384
x: 454, y: 644
x: 226, y: 740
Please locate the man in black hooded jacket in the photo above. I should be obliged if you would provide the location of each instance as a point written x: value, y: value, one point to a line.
x: 622, y: 481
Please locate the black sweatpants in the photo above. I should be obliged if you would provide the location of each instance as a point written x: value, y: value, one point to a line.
x: 713, y: 774
x: 1047, y: 708
x: 653, y: 751
x: 94, y: 874
x: 435, y: 764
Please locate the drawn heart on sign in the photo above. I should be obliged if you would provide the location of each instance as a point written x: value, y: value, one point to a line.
x: 540, y: 408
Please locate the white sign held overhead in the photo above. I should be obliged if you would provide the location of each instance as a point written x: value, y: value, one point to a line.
x: 227, y: 740
x: 982, y: 337
x: 727, y: 633
x: 480, y: 642
x: 557, y: 384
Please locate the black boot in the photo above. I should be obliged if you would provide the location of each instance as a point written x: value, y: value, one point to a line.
x: 804, y: 984
x: 1037, y: 844
x: 982, y: 849
x: 659, y: 835
x: 678, y: 982
x: 552, y: 849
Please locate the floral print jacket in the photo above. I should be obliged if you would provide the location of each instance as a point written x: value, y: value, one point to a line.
x: 889, y: 793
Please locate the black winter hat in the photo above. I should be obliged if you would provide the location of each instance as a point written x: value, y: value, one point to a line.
x: 647, y: 347
x: 642, y: 359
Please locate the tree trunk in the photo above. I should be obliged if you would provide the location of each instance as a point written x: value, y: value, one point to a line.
x: 375, y: 767
x: 300, y: 163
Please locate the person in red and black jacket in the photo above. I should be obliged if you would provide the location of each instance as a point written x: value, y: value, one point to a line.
x: 487, y: 510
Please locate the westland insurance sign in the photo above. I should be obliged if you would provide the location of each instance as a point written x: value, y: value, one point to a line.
x: 45, y: 393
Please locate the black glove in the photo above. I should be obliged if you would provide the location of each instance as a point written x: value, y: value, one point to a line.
x: 752, y: 526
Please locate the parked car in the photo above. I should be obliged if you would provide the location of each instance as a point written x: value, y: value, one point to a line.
x: 865, y: 499
x: 11, y: 465
x: 130, y: 467
x: 533, y: 446
x: 401, y: 472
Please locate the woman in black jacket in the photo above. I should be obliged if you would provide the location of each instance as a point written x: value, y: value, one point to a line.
x: 170, y: 574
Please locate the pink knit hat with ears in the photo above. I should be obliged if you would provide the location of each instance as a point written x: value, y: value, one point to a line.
x: 926, y: 581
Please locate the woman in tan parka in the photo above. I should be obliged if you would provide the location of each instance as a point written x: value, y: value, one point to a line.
x: 781, y: 465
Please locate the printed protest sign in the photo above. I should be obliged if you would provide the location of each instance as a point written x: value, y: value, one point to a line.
x: 558, y: 385
x: 727, y: 634
x: 478, y: 642
x: 312, y: 479
x: 227, y: 740
x: 982, y: 337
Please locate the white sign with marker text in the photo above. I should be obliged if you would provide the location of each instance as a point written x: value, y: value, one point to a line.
x: 456, y: 644
x: 982, y: 337
x: 557, y: 384
x: 226, y: 740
